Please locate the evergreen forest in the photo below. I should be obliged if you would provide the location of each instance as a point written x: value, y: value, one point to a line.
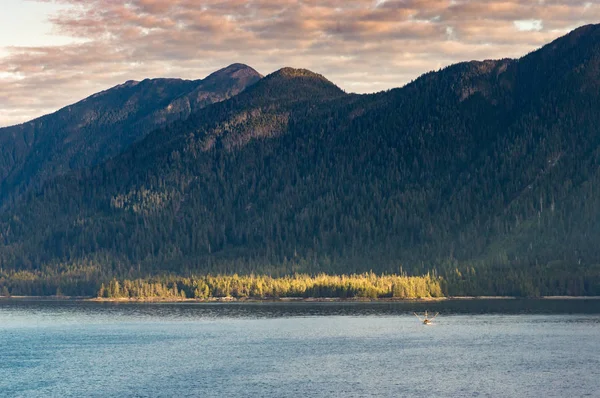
x: 482, y: 178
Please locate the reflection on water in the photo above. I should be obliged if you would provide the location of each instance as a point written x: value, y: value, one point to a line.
x: 509, y: 348
x: 296, y: 309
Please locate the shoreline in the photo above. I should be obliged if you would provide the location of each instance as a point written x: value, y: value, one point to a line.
x: 285, y: 299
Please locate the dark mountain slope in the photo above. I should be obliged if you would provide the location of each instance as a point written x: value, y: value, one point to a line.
x: 480, y: 169
x: 104, y: 124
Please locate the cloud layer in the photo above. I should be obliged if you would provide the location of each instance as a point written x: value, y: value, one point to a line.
x: 361, y: 45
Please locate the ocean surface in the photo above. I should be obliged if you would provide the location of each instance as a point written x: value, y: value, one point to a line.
x: 475, y: 348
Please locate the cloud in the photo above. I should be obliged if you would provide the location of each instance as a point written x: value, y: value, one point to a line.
x: 362, y: 45
x: 529, y: 25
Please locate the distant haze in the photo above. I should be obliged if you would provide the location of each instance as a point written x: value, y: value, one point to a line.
x: 55, y: 52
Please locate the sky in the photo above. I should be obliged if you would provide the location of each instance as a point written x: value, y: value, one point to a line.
x: 57, y: 52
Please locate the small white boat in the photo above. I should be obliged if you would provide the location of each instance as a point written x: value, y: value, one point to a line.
x: 426, y: 320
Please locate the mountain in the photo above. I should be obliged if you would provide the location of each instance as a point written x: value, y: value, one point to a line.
x: 486, y: 173
x: 103, y: 125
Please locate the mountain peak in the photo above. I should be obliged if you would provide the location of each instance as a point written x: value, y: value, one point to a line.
x: 300, y: 76
x: 297, y: 83
x: 288, y: 72
x: 235, y: 71
x: 104, y: 124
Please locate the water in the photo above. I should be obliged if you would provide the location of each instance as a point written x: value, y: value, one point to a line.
x: 508, y: 348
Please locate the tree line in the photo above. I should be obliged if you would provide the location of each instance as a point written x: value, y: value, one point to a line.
x: 367, y: 285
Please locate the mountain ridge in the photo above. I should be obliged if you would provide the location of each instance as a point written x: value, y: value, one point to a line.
x: 485, y: 173
x: 103, y: 124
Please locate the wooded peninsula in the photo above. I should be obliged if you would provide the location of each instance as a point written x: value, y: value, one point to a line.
x: 87, y: 282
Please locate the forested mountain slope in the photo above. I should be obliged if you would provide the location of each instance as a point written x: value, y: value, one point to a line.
x: 103, y: 125
x: 486, y: 172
